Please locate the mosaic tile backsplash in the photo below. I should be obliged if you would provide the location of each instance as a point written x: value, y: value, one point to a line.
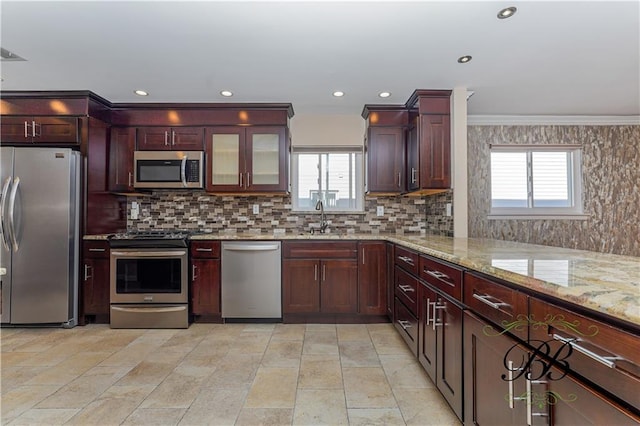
x: 202, y: 212
x: 610, y: 185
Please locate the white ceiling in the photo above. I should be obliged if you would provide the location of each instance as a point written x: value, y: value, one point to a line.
x: 550, y: 58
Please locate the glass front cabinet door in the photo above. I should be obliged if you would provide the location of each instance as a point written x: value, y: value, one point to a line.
x: 246, y: 159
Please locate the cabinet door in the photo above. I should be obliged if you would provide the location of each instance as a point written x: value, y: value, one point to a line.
x: 339, y: 286
x: 490, y: 398
x: 153, y: 138
x: 187, y: 138
x: 435, y: 155
x: 96, y: 286
x: 427, y: 299
x: 413, y: 156
x: 45, y: 130
x: 224, y: 148
x: 121, y: 159
x: 448, y: 319
x: 300, y: 286
x: 205, y: 286
x: 385, y: 160
x: 372, y: 278
x: 265, y: 159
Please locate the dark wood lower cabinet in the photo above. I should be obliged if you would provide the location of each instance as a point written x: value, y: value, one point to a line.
x: 300, y: 286
x: 372, y: 278
x: 440, y: 344
x: 95, y: 281
x: 205, y: 287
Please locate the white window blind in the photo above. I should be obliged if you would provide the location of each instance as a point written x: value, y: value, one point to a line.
x: 535, y: 180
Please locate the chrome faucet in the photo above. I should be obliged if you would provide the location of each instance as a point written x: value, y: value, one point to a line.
x: 323, y: 222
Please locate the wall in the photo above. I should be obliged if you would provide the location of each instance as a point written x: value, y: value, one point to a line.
x: 202, y: 212
x: 611, y: 179
x: 320, y: 130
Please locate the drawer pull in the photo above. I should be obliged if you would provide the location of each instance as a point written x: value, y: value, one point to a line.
x: 609, y: 361
x: 512, y: 398
x: 407, y: 260
x: 438, y: 275
x: 404, y: 324
x: 204, y: 249
x: 484, y: 299
x: 435, y: 314
x: 87, y: 268
x: 194, y: 268
x: 406, y: 288
x: 97, y: 249
x: 530, y: 413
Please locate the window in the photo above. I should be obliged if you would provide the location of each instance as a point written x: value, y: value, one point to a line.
x: 535, y: 181
x: 333, y: 175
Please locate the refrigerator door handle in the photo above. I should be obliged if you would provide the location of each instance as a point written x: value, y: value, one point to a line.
x: 12, y: 211
x: 3, y: 202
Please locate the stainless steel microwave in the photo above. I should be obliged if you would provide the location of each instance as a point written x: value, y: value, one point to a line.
x: 168, y: 169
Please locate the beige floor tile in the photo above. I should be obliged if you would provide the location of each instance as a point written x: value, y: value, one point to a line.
x: 259, y: 327
x: 380, y: 327
x: 113, y: 406
x: 367, y: 387
x: 349, y: 332
x: 283, y: 353
x: 45, y: 341
x: 251, y: 342
x: 69, y: 369
x: 320, y: 372
x: 375, y: 416
x: 12, y: 359
x: 273, y: 388
x: 424, y: 407
x: 147, y: 373
x: 264, y: 417
x: 85, y: 388
x: 235, y: 372
x: 288, y: 332
x: 155, y: 416
x: 215, y: 407
x: 45, y: 416
x: 389, y: 343
x: 178, y: 390
x: 13, y: 377
x: 404, y: 372
x: 18, y: 400
x: 358, y: 353
x: 320, y: 407
x: 320, y: 328
x: 320, y: 343
x: 133, y: 354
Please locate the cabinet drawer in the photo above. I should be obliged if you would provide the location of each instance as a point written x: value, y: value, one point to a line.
x: 499, y: 304
x: 205, y: 249
x: 442, y: 276
x: 603, y: 354
x: 407, y: 324
x: 319, y: 250
x: 406, y: 289
x: 95, y: 249
x: 407, y: 260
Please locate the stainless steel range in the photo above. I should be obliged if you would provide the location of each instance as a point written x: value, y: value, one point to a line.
x: 149, y: 280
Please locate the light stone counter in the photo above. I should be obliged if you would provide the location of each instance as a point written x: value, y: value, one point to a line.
x: 605, y: 283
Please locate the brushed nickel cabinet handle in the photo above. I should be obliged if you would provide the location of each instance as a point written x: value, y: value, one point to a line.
x: 194, y: 268
x: 166, y: 138
x: 87, y: 268
x: 406, y: 288
x: 97, y: 249
x: 484, y: 299
x: 609, y: 361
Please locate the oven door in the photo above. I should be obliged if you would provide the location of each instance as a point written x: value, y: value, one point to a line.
x: 149, y: 276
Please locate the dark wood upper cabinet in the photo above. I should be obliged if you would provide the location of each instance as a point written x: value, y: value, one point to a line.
x: 246, y: 159
x: 41, y: 130
x: 170, y: 138
x: 121, y: 159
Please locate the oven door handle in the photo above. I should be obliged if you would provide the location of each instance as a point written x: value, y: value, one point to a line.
x: 151, y: 309
x: 167, y: 253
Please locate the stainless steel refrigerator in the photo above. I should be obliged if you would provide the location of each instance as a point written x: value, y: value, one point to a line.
x: 40, y: 235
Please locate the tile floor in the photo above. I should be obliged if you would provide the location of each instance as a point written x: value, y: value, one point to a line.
x: 242, y: 374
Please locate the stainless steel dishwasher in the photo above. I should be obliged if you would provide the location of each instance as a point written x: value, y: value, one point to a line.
x: 251, y: 281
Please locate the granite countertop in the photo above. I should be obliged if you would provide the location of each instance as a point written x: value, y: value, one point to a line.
x: 605, y: 283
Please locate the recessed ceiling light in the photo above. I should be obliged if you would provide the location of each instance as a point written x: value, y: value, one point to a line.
x: 507, y: 12
x: 384, y: 94
x: 338, y: 94
x: 140, y: 93
x: 464, y: 59
x: 226, y: 93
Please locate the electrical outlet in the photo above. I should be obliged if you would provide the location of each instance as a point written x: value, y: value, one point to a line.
x: 449, y: 209
x: 380, y: 211
x: 256, y: 209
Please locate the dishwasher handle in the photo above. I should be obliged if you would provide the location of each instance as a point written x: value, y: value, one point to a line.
x: 251, y: 247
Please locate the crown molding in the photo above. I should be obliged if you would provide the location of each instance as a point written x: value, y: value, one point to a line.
x: 563, y: 120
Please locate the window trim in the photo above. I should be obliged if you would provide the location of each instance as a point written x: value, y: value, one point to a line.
x: 575, y: 212
x: 329, y: 149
